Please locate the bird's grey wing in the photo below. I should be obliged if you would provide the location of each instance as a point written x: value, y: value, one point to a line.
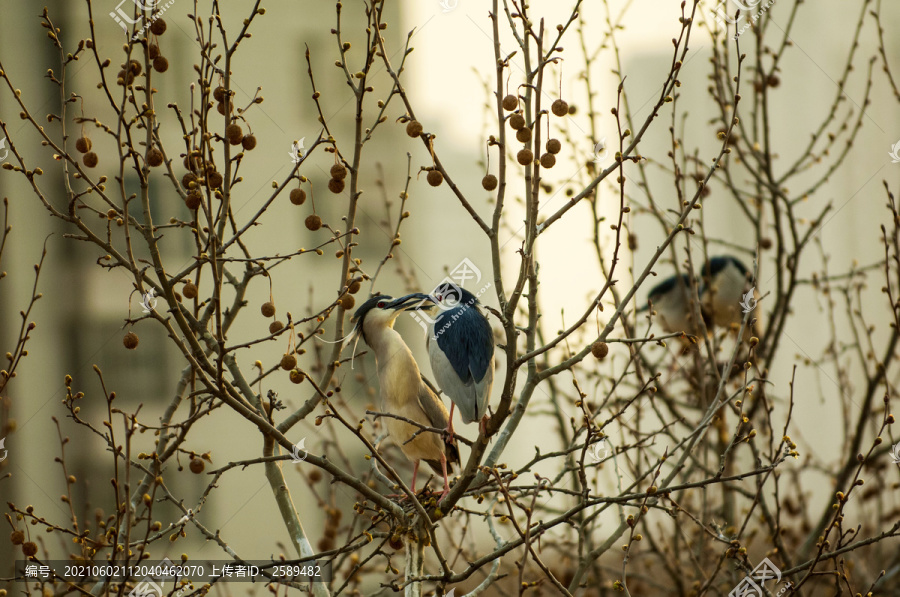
x: 462, y: 394
x: 438, y: 417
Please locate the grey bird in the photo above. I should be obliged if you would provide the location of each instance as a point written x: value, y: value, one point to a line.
x: 461, y: 350
x: 671, y: 299
x: 403, y: 391
x: 725, y: 287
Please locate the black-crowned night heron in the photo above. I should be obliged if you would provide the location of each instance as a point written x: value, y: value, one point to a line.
x: 726, y: 290
x: 671, y: 299
x: 461, y: 350
x: 403, y: 392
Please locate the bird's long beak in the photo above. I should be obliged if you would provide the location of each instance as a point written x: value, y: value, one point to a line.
x: 416, y: 301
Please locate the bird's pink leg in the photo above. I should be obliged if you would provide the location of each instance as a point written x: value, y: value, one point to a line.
x: 415, y: 472
x: 482, y: 425
x: 446, y: 480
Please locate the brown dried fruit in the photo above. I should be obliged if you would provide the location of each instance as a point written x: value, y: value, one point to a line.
x: 234, y: 133
x: 314, y: 476
x: 516, y: 121
x: 135, y: 67
x: 765, y: 243
x: 348, y: 302
x: 224, y: 107
x: 190, y: 291
x: 523, y: 135
x: 188, y: 179
x: 354, y: 287
x: 219, y: 94
x: 599, y: 350
x: 197, y: 465
x: 489, y: 182
x: 525, y: 157
x: 194, y: 199
x: 155, y: 157
x: 130, y: 340
x: 298, y: 196
x: 267, y: 309
x: 29, y: 549
x: 153, y: 51
x: 275, y: 326
x: 90, y: 159
x: 297, y: 376
x: 559, y: 107
x: 83, y: 144
x: 17, y: 537
x: 510, y: 103
x: 435, y: 178
x: 396, y: 542
x: 248, y: 142
x: 548, y: 160
x: 160, y: 64
x: 338, y: 171
x: 553, y: 145
x: 313, y: 222
x: 288, y: 362
x: 158, y: 27
x: 336, y: 185
x: 414, y: 128
x: 214, y: 180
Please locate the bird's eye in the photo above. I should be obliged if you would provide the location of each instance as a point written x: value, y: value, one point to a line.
x: 381, y: 304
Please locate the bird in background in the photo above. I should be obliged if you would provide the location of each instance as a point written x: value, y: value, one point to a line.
x: 671, y: 299
x: 725, y: 283
x: 403, y: 391
x: 461, y: 350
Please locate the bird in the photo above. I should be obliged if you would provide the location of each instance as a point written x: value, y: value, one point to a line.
x: 461, y: 350
x: 403, y: 390
x: 724, y: 291
x: 671, y: 299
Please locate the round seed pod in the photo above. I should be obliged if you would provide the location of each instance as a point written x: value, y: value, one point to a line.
x: 773, y: 81
x: 489, y: 182
x: 188, y: 179
x: 219, y: 94
x: 599, y: 350
x: 553, y: 145
x: 548, y: 160
x: 523, y: 135
x: 297, y: 376
x: 315, y: 476
x: 248, y: 142
x: 516, y: 121
x: 336, y: 185
x: 354, y: 287
x: 288, y: 362
x: 90, y: 159
x: 234, y: 133
x: 214, y: 180
x: 224, y: 107
x: 130, y: 340
x: 135, y: 67
x: 189, y: 291
x: 510, y: 103
x: 313, y: 222
x: 83, y: 144
x: 560, y: 107
x: 29, y: 549
x: 194, y: 199
x: 155, y: 157
x: 414, y: 128
x: 298, y: 196
x: 158, y: 27
x: 275, y: 326
x: 632, y: 242
x: 396, y: 542
x: 17, y: 537
x: 268, y: 309
x: 338, y: 171
x: 153, y: 51
x: 435, y: 178
x: 348, y: 302
x: 765, y: 243
x: 160, y: 64
x: 197, y: 465
x: 525, y: 157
